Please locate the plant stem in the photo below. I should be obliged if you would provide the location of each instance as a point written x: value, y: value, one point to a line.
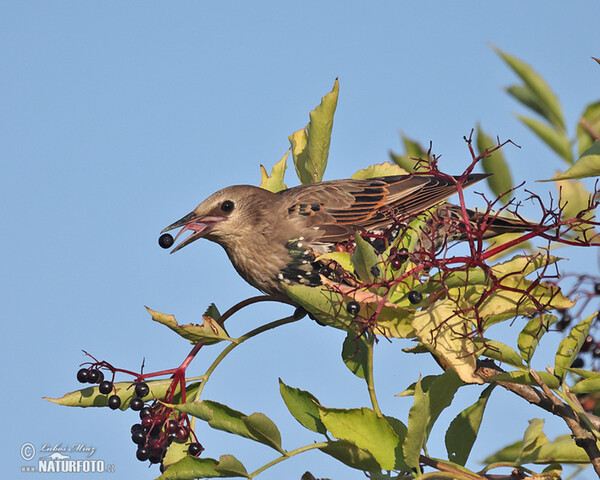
x: 369, y: 374
x: 287, y: 455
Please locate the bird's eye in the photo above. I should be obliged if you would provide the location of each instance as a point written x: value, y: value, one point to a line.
x: 227, y: 206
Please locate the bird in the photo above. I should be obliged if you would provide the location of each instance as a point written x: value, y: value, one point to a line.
x: 274, y: 240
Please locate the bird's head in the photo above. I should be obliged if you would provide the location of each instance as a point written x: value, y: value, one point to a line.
x: 224, y: 216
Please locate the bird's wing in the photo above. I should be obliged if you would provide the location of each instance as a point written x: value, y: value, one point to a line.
x: 335, y: 210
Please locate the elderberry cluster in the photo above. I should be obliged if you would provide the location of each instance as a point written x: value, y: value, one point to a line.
x: 159, y: 426
x: 398, y: 257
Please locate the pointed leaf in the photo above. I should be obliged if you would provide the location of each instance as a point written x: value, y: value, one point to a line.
x: 501, y: 180
x: 546, y: 99
x: 570, y: 346
x: 257, y: 427
x: 588, y: 128
x: 534, y: 437
x: 368, y: 431
x: 303, y: 406
x: 463, y: 430
x: 556, y: 140
x: 274, y: 182
x: 310, y: 146
x: 440, y: 395
x: 364, y: 259
x: 352, y: 456
x: 588, y: 165
x: 532, y: 333
x: 587, y: 385
x: 91, y: 397
x: 498, y: 351
x: 523, y: 94
x: 210, y: 332
x: 426, y: 383
x: 380, y: 170
x: 355, y: 354
x: 189, y: 468
x: 413, y: 150
x: 442, y: 331
x: 264, y: 430
x: 418, y: 422
x: 525, y: 378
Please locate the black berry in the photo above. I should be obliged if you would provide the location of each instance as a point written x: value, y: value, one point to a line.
x: 154, y: 459
x: 114, y: 402
x: 403, y: 254
x: 577, y: 363
x: 138, y: 437
x: 353, y: 308
x: 142, y: 454
x: 396, y: 263
x: 375, y: 271
x: 136, y: 404
x: 195, y: 449
x: 596, y: 351
x: 415, y: 297
x: 165, y: 240
x: 82, y: 375
x: 94, y: 375
x: 142, y: 389
x: 597, y: 288
x: 182, y: 434
x: 136, y: 427
x: 172, y: 426
x: 146, y: 412
x: 148, y: 421
x: 105, y: 387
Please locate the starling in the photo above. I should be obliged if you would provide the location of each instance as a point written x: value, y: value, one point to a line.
x: 274, y: 239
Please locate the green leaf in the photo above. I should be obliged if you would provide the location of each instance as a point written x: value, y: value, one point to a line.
x: 463, y: 430
x: 352, y: 456
x: 556, y: 140
x: 413, y: 151
x: 501, y: 180
x: 575, y: 201
x: 384, y: 169
x: 533, y: 437
x: 303, y: 406
x: 257, y: 427
x: 364, y: 259
x: 523, y: 94
x: 587, y: 385
x: 324, y: 304
x: 426, y: 383
x: 343, y: 259
x: 589, y: 122
x: 418, y: 423
x: 525, y: 378
x: 588, y: 165
x: 274, y: 182
x: 264, y: 430
x: 440, y: 395
x: 189, y: 468
x: 355, y: 354
x: 498, y: 351
x: 91, y: 397
x: 310, y: 146
x: 570, y: 346
x: 443, y: 333
x: 368, y: 431
x: 210, y: 332
x: 545, y: 97
x: 532, y: 333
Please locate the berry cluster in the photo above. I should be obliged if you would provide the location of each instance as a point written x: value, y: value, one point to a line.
x: 159, y: 425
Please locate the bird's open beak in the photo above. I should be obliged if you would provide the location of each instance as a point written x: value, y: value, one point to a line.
x: 200, y: 225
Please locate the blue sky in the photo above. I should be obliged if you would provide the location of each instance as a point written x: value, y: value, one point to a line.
x: 117, y: 118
